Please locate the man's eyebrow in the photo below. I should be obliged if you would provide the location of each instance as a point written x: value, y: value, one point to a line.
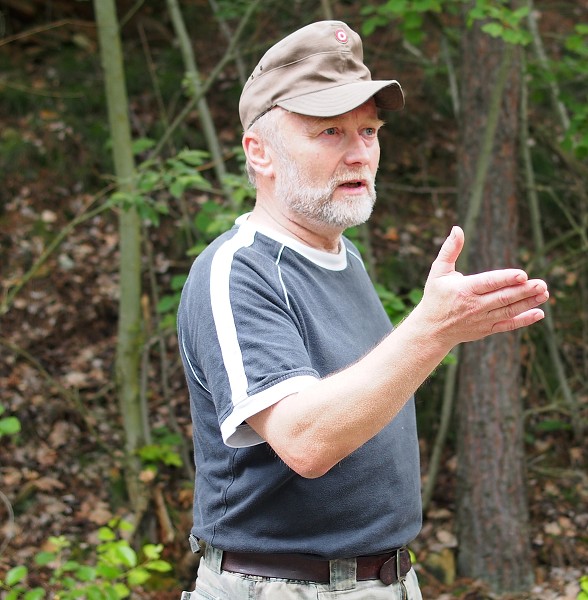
x: 312, y: 123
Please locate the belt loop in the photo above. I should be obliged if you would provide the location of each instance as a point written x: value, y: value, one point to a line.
x: 343, y: 572
x: 399, y: 575
x: 213, y: 558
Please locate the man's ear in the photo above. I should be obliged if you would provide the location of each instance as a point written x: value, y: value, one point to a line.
x: 258, y: 154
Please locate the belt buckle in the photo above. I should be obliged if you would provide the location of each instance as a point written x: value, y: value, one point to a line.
x: 388, y: 575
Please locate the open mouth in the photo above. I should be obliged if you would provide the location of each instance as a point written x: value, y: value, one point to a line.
x: 352, y: 184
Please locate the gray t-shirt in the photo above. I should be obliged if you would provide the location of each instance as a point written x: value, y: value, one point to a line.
x: 262, y: 317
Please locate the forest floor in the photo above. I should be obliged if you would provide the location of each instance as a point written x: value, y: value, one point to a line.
x: 62, y: 475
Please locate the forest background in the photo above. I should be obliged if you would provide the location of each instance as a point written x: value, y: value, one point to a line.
x: 118, y: 169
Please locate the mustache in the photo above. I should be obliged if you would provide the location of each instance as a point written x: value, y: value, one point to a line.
x: 354, y: 175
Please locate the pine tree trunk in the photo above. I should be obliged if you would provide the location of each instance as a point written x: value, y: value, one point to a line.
x: 492, y: 513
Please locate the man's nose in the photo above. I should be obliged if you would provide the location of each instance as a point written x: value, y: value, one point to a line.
x: 357, y: 151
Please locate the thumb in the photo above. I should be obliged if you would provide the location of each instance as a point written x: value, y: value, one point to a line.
x: 444, y: 264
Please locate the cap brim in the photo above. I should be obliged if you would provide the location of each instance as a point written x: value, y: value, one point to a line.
x: 343, y: 98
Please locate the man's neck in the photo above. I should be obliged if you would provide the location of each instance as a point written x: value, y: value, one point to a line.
x: 320, y: 238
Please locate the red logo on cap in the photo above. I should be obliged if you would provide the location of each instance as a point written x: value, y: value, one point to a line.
x: 341, y: 36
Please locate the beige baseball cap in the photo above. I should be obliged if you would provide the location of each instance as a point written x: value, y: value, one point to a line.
x: 318, y: 71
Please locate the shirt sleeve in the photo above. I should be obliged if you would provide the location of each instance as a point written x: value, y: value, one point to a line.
x: 261, y: 342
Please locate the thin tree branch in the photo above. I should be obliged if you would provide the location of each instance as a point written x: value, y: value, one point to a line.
x: 560, y: 109
x: 194, y: 88
x: 228, y: 56
x: 226, y: 30
x: 451, y: 76
x: 43, y: 28
x: 327, y: 10
x: 539, y: 241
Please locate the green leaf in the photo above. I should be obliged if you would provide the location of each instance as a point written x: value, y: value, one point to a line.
x: 126, y: 526
x: 108, y: 571
x: 65, y: 581
x: 520, y: 13
x: 152, y: 551
x: 413, y: 20
x: 9, y: 426
x: 35, y: 594
x: 193, y: 157
x: 172, y: 459
x: 16, y: 575
x: 138, y: 576
x: 141, y: 144
x: 93, y: 592
x: 167, y: 303
x: 149, y: 181
x: 105, y: 534
x: 197, y: 249
x: 86, y: 573
x: 70, y: 565
x: 161, y: 566
x: 371, y: 24
x: 177, y: 188
x: 177, y: 282
x: 553, y: 425
x: 495, y: 30
x: 449, y: 359
x: 121, y: 591
x: 415, y: 295
x: 126, y: 555
x: 60, y: 542
x: 44, y: 558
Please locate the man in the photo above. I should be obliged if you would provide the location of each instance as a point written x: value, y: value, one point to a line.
x: 301, y: 394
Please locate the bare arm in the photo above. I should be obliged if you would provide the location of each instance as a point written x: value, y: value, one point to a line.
x: 316, y: 428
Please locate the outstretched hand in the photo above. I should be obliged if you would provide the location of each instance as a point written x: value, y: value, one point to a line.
x: 470, y: 307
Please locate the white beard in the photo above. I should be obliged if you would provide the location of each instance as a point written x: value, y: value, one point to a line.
x: 316, y: 204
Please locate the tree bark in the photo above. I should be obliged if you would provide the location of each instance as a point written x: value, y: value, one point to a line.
x: 492, y: 513
x: 130, y: 339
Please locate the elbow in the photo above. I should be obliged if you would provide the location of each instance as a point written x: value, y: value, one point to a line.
x: 308, y: 464
x: 310, y: 472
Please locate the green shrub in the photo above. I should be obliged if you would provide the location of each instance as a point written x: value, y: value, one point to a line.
x: 112, y: 571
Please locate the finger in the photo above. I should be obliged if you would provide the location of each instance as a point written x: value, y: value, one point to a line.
x: 534, y: 292
x: 448, y: 253
x: 523, y: 320
x: 490, y: 281
x: 513, y: 308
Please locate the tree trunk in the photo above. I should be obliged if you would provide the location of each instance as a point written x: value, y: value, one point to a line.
x: 129, y: 342
x: 492, y: 513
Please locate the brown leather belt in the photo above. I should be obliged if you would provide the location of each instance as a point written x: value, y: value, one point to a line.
x: 387, y: 567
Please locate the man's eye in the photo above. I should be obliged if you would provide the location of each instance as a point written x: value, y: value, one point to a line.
x: 371, y: 131
x: 330, y: 131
